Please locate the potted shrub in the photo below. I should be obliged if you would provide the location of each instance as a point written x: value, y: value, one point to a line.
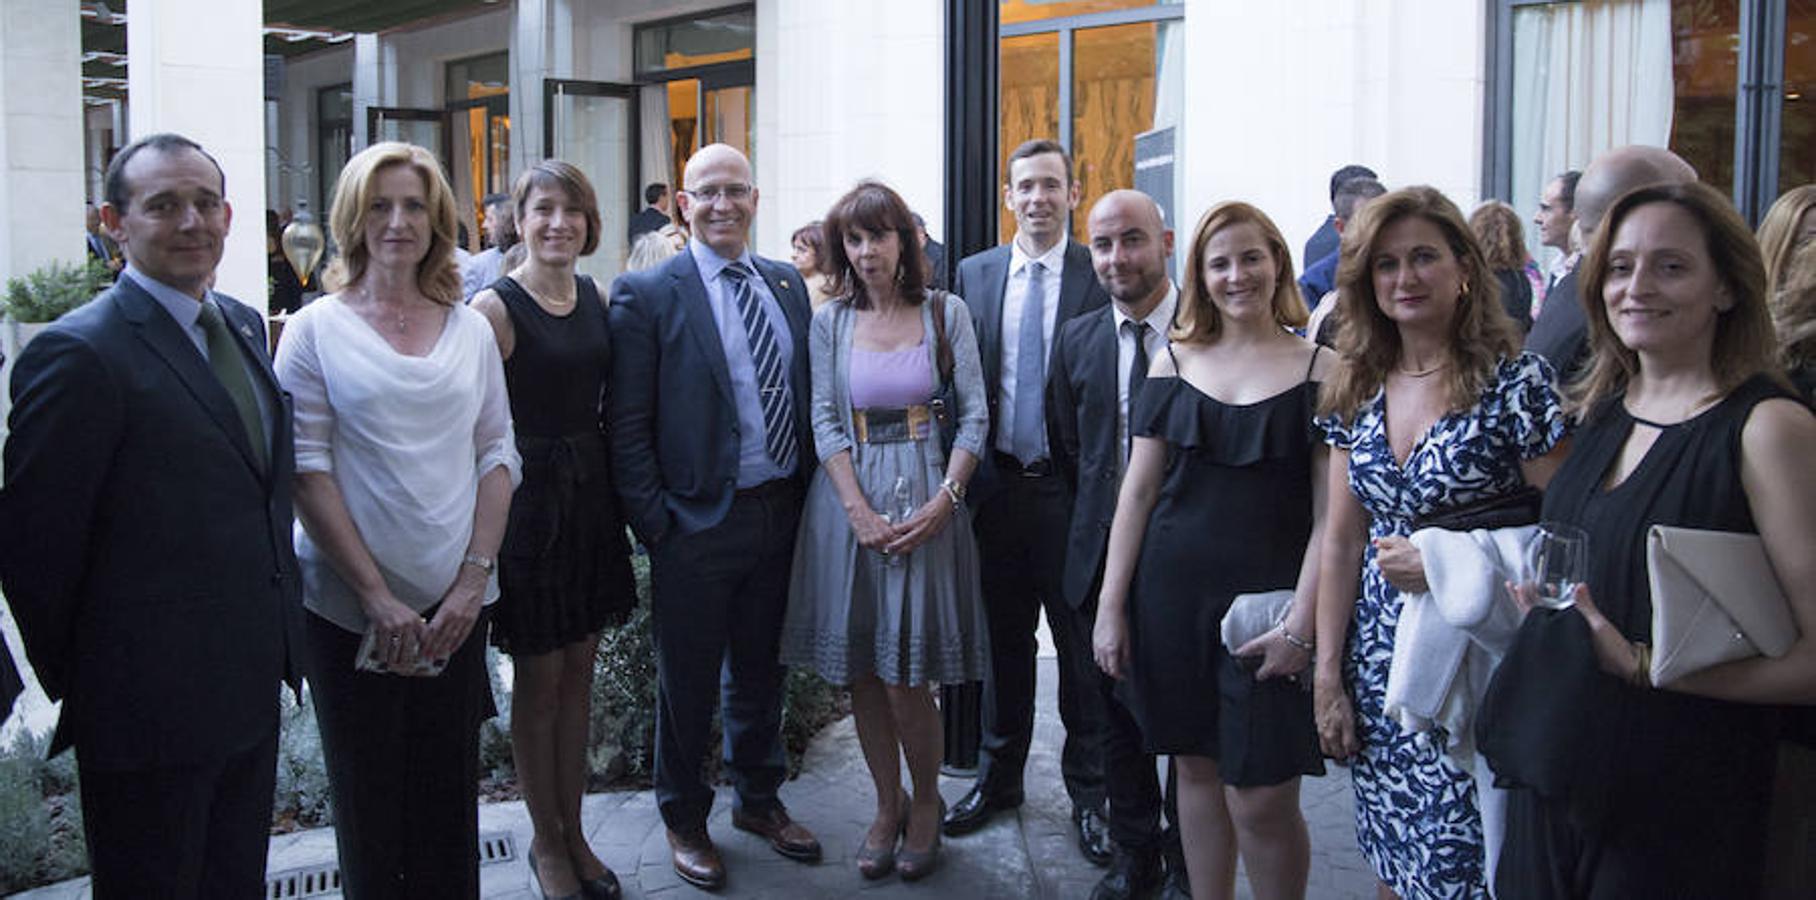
x: 41, y: 297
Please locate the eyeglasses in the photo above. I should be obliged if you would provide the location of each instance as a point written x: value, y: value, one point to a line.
x: 736, y: 193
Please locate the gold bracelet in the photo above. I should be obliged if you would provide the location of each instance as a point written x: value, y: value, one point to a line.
x: 1642, y: 665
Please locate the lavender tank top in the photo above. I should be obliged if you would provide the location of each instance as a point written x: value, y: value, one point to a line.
x: 890, y: 378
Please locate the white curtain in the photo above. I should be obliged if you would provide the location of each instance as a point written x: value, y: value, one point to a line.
x: 655, y: 141
x: 1587, y: 77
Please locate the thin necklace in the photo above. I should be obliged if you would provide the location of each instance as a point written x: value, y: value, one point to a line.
x: 1420, y: 373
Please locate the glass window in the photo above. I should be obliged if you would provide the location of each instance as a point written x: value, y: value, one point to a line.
x: 1797, y: 131
x: 726, y: 37
x: 1029, y: 101
x: 1014, y: 11
x: 1112, y: 101
x: 1705, y: 70
x: 479, y: 76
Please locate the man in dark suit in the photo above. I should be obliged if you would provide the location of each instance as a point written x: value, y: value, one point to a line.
x: 146, y: 543
x: 654, y: 214
x: 1561, y: 332
x: 1019, y: 296
x: 936, y: 255
x: 711, y: 440
x: 1100, y: 362
x: 1324, y: 241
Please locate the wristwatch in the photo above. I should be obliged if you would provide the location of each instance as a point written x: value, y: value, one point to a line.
x: 485, y: 563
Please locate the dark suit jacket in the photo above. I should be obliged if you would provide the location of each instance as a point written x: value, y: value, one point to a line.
x: 1319, y: 277
x: 936, y: 264
x: 673, y: 420
x: 1561, y: 333
x: 1081, y: 429
x: 646, y: 220
x: 148, y: 560
x: 1322, y: 243
x: 982, y: 278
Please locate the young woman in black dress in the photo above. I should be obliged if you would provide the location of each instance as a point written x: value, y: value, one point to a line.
x: 1224, y: 494
x: 1632, y: 789
x: 564, y: 570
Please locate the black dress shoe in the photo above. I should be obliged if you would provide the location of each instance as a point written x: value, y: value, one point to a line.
x: 1132, y: 876
x: 605, y: 887
x: 973, y: 811
x: 1177, y: 887
x: 1093, y: 835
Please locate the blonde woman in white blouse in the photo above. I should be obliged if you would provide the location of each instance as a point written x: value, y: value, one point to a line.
x: 405, y: 469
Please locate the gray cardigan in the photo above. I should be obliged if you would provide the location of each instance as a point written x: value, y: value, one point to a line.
x: 829, y: 346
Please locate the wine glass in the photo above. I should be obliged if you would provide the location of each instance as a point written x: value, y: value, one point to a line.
x: 1560, y: 562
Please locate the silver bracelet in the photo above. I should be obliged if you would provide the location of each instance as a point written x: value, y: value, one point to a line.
x: 954, y: 491
x: 1295, y: 640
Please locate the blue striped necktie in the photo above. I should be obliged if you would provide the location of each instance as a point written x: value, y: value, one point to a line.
x: 771, y: 368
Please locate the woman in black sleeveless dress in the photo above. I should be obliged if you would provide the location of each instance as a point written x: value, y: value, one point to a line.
x: 1220, y: 498
x: 564, y: 570
x: 1626, y: 788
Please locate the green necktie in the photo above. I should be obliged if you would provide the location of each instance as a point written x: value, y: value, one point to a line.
x: 229, y: 366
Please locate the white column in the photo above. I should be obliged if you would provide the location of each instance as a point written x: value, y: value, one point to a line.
x: 366, y: 80
x: 1396, y: 85
x: 847, y: 91
x: 542, y: 46
x: 196, y: 67
x: 41, y: 157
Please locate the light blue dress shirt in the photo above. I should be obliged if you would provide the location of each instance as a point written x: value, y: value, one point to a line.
x: 754, y: 465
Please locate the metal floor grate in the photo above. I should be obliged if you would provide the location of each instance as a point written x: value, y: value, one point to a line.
x: 323, y: 879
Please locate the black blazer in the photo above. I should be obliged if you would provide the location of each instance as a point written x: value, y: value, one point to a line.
x: 982, y: 278
x: 1561, y: 333
x: 673, y: 420
x: 1081, y: 430
x: 147, y: 558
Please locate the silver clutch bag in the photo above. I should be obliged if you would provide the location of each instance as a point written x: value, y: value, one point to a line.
x: 1715, y: 599
x: 1253, y: 615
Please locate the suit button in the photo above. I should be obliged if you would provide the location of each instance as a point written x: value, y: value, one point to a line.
x: 1108, y: 475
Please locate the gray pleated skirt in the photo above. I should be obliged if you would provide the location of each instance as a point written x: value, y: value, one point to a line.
x: 851, y: 613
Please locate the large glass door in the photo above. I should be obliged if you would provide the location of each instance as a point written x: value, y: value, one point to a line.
x: 593, y: 125
x: 427, y: 128
x: 481, y: 164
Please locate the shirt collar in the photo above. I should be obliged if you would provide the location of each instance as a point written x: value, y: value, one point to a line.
x: 182, y: 307
x: 1160, y: 318
x: 711, y: 263
x: 1054, y: 259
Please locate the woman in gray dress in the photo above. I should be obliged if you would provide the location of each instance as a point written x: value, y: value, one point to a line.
x: 885, y: 595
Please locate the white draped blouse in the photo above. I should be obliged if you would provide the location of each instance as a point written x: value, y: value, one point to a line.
x: 407, y: 439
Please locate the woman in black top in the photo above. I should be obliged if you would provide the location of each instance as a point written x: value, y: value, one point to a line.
x: 1629, y: 789
x: 564, y: 570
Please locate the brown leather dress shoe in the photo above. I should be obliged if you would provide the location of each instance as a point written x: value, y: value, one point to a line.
x: 696, y: 859
x: 785, y: 835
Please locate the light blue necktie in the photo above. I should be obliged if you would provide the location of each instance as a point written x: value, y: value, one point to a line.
x: 1025, y: 439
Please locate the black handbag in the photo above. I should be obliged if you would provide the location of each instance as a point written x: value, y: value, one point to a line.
x: 941, y: 404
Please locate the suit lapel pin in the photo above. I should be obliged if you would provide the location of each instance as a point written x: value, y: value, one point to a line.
x: 785, y: 284
x: 246, y: 332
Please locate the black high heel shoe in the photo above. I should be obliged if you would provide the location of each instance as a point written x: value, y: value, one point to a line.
x: 605, y: 887
x: 536, y: 875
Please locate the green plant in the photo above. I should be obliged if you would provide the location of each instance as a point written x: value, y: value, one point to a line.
x: 40, y: 820
x: 47, y: 293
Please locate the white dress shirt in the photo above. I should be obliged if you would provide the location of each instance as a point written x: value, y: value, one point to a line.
x: 1159, y: 320
x: 1015, y: 293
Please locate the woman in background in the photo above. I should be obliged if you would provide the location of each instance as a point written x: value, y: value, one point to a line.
x: 809, y: 243
x: 1788, y: 226
x: 1503, y: 240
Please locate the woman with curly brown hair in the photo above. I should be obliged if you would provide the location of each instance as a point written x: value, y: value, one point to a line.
x: 1432, y: 407
x: 1497, y: 228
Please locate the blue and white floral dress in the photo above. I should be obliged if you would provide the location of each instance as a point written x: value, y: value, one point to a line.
x: 1416, y: 818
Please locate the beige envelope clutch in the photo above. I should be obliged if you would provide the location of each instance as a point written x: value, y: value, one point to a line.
x: 1715, y: 599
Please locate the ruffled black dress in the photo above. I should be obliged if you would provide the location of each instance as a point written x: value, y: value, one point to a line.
x: 1233, y: 517
x: 564, y: 570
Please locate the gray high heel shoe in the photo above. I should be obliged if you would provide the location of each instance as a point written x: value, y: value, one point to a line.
x: 877, y: 862
x: 918, y: 864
